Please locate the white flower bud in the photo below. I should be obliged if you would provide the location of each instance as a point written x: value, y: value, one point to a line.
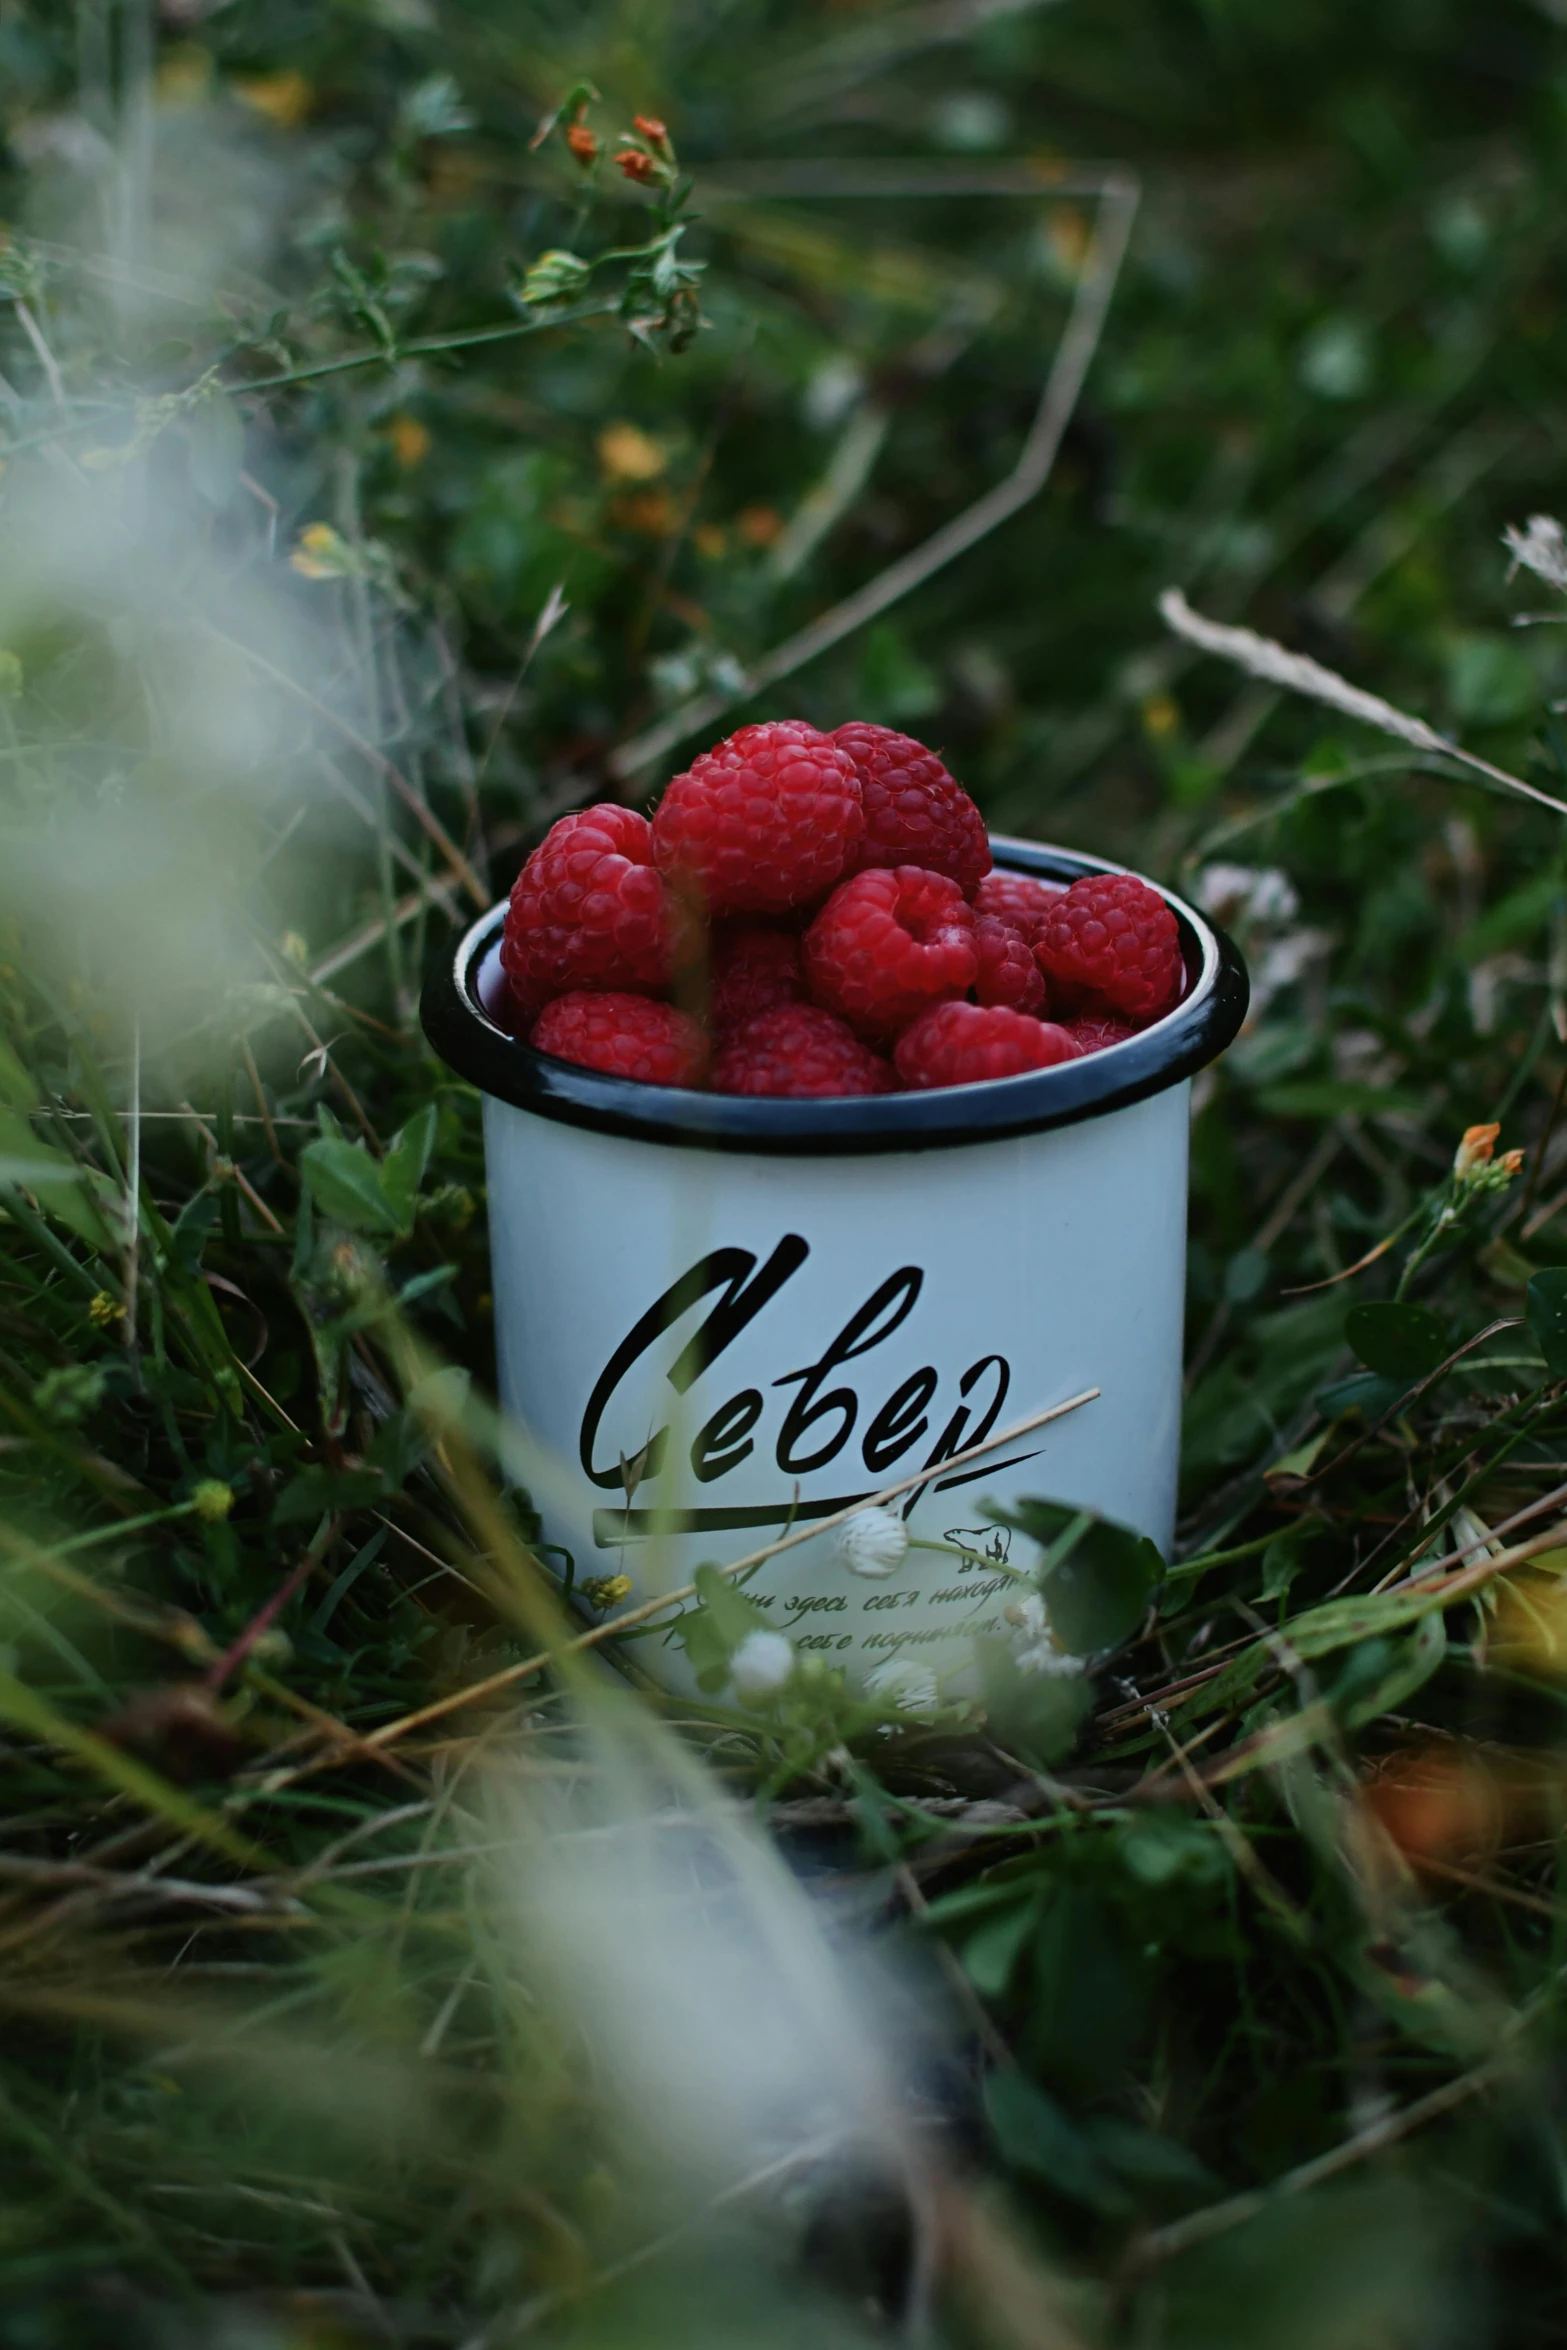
x: 873, y: 1543
x: 1033, y: 1647
x: 909, y: 1686
x: 762, y: 1664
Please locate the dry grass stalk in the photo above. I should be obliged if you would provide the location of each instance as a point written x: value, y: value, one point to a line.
x: 1260, y: 657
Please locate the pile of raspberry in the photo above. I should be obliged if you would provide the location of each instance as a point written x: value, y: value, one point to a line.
x: 816, y: 914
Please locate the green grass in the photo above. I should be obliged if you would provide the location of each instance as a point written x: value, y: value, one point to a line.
x: 293, y: 475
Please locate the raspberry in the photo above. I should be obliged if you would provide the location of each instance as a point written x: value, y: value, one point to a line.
x: 753, y: 971
x: 886, y: 944
x: 798, y: 1049
x: 588, y: 910
x: 915, y: 812
x: 1008, y: 973
x: 1113, y: 936
x: 767, y: 821
x: 1019, y: 900
x: 1091, y: 1032
x: 624, y: 1035
x: 961, y: 1044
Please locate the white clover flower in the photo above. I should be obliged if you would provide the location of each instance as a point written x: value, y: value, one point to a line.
x: 1247, y: 893
x: 873, y: 1543
x: 762, y: 1664
x: 1033, y: 1649
x: 909, y: 1686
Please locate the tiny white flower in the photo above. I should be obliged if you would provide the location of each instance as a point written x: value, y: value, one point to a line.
x: 909, y: 1686
x: 1029, y: 1617
x: 1049, y: 1663
x: 1247, y: 893
x: 762, y: 1664
x: 873, y: 1543
x: 1034, y: 1649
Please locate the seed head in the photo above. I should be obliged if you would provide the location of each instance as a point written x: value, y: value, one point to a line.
x: 212, y: 1500
x: 873, y: 1543
x: 761, y: 1666
x: 911, y: 1687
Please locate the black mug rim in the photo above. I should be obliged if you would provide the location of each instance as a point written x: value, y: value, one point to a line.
x: 1207, y: 1019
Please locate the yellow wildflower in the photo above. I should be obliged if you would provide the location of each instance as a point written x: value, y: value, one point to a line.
x: 284, y: 98
x: 1474, y: 1152
x: 410, y: 441
x: 628, y: 454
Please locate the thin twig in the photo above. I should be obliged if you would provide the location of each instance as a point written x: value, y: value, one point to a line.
x: 1218, y: 2218
x: 423, y: 816
x: 1119, y: 193
x: 756, y: 1558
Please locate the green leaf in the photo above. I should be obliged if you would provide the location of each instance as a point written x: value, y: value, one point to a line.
x: 1362, y: 1392
x: 1490, y: 680
x: 1147, y: 2159
x: 215, y: 445
x: 1098, y: 1588
x: 17, y: 1089
x: 348, y: 1186
x: 735, y: 1616
x: 1397, y: 1341
x: 1331, y: 1097
x: 1035, y: 2136
x: 315, y: 1491
x: 1545, y: 1310
x: 25, y: 1160
x: 403, y: 1168
x: 711, y: 1631
x: 1392, y: 1673
x: 991, y: 1951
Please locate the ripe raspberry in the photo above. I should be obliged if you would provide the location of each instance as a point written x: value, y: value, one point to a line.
x: 1091, y: 1032
x: 961, y: 1044
x: 915, y: 812
x: 1113, y: 936
x: 753, y: 971
x: 768, y: 820
x: 1008, y: 973
x: 1019, y: 900
x: 886, y: 944
x: 798, y: 1049
x: 588, y: 910
x: 624, y: 1035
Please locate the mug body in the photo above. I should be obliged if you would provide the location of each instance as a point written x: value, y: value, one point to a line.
x: 721, y: 1321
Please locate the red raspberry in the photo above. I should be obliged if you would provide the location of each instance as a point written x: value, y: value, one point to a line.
x: 886, y: 944
x: 624, y: 1035
x: 1113, y: 936
x: 1091, y: 1032
x: 588, y: 910
x: 1008, y: 973
x: 798, y: 1049
x: 915, y: 812
x: 768, y: 820
x: 753, y: 971
x: 1019, y: 900
x: 961, y: 1044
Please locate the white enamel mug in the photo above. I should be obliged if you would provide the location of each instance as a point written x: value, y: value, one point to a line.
x: 721, y: 1319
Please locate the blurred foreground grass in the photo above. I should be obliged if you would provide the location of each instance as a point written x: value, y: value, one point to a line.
x: 338, y: 562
